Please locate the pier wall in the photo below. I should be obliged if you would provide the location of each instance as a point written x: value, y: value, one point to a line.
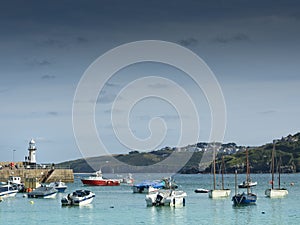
x: 65, y: 175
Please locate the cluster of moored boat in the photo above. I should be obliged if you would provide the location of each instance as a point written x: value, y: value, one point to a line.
x: 246, y: 198
x: 158, y: 192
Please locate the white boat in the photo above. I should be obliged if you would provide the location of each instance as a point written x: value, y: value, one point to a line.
x: 167, y: 197
x: 8, y: 191
x: 246, y: 184
x: 43, y: 192
x: 201, y: 190
x: 59, y: 186
x: 218, y: 193
x: 222, y: 193
x: 154, y: 186
x: 275, y: 192
x: 78, y: 198
x: 127, y: 180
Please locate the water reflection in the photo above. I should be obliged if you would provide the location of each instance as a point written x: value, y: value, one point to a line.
x: 168, y: 215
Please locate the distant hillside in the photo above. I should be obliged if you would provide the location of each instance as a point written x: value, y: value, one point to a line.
x: 288, y: 148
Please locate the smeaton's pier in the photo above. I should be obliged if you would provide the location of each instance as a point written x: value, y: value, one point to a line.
x: 30, y: 171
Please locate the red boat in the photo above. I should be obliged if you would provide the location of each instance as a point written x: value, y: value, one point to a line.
x: 97, y: 180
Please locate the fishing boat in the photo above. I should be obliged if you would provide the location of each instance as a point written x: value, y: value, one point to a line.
x: 97, y: 179
x: 166, y: 197
x: 16, y: 183
x: 59, y: 186
x: 127, y: 180
x: 218, y: 193
x: 247, y: 198
x: 275, y: 192
x: 43, y: 192
x: 8, y: 191
x: 78, y: 198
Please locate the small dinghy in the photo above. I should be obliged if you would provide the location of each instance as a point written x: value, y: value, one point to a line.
x: 201, y: 190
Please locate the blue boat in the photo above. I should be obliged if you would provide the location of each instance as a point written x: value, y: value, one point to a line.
x: 150, y: 186
x: 244, y: 198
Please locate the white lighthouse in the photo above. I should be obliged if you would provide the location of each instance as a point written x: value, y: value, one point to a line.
x: 31, y: 159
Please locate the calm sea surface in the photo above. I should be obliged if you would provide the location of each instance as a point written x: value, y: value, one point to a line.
x: 118, y: 205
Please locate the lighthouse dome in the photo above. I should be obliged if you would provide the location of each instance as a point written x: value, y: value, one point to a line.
x: 32, y: 141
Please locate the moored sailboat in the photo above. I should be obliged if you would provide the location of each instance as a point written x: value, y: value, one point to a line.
x: 275, y: 192
x: 218, y: 193
x: 247, y: 198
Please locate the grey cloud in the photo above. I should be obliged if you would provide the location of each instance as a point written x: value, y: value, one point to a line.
x: 231, y: 39
x: 81, y: 40
x: 52, y: 113
x: 40, y: 62
x: 46, y: 77
x: 268, y: 112
x: 4, y: 90
x: 106, y: 98
x: 189, y: 42
x: 51, y: 42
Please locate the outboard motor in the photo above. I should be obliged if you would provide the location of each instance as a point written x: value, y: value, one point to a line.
x: 158, y: 199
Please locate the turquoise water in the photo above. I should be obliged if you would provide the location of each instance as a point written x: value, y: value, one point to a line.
x: 118, y: 205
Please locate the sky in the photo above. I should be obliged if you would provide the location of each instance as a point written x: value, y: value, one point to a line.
x: 46, y: 47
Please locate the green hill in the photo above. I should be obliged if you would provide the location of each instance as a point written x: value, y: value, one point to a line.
x: 288, y: 148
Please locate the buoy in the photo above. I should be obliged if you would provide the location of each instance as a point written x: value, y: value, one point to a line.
x: 263, y: 212
x: 112, y: 207
x: 31, y: 202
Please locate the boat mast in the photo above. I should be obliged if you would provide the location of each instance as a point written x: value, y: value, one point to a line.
x: 223, y: 169
x: 235, y: 182
x: 214, y: 165
x: 279, y: 171
x: 272, y: 164
x: 247, y: 173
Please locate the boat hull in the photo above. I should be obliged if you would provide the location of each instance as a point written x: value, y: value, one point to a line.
x: 244, y: 199
x: 100, y: 182
x: 8, y: 194
x: 43, y: 192
x: 166, y: 198
x: 276, y: 193
x: 78, y: 198
x: 247, y: 184
x: 219, y: 193
x: 201, y: 190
